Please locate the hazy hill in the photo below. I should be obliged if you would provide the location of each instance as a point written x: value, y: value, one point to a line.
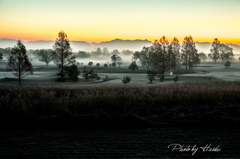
x: 111, y: 45
x: 76, y: 45
x: 119, y: 44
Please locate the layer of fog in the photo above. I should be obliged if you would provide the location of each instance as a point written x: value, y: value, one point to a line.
x: 133, y: 45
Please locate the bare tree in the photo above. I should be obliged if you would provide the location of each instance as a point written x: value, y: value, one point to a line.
x: 45, y: 56
x: 19, y: 62
x: 62, y: 54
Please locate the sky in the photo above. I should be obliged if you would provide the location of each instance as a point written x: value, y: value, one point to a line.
x: 105, y: 20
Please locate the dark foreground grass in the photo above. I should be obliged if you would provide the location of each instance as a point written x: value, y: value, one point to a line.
x: 213, y: 103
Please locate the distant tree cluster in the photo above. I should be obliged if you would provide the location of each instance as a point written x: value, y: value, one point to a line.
x: 164, y: 56
x: 103, y: 53
x: 83, y: 54
x: 220, y: 51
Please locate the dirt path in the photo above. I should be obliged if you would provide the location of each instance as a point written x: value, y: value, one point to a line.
x: 113, y: 143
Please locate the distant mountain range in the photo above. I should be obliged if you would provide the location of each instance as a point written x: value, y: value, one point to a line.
x: 119, y: 44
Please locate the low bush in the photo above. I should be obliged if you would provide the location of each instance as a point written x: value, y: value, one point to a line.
x: 126, y: 79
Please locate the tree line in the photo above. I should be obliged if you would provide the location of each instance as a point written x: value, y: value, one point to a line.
x: 165, y: 56
x: 162, y: 56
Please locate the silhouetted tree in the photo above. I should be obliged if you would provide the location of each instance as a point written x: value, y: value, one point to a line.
x: 105, y: 65
x: 105, y: 51
x: 114, y: 65
x: 45, y: 56
x: 162, y: 57
x: 114, y: 58
x: 215, y: 50
x: 97, y: 64
x: 202, y: 56
x: 175, y: 45
x: 1, y: 56
x: 19, y: 62
x: 98, y: 52
x: 151, y: 75
x: 62, y: 54
x: 226, y: 52
x: 119, y: 63
x: 90, y: 63
x: 126, y: 52
x: 144, y: 57
x: 115, y: 52
x: 133, y: 66
x: 189, y: 53
x: 83, y: 54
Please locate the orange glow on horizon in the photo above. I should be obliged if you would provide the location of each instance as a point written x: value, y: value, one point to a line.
x: 98, y: 40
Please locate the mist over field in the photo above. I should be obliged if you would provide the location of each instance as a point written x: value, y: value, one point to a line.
x: 133, y: 45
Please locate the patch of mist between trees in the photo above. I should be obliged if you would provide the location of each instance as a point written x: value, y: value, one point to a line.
x: 104, y: 60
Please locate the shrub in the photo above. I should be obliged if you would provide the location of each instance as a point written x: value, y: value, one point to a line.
x: 90, y: 63
x: 161, y: 78
x: 227, y: 64
x: 151, y: 75
x: 1, y: 56
x: 133, y: 66
x: 90, y: 75
x: 126, y: 79
x: 175, y: 79
x: 72, y: 72
x: 114, y: 65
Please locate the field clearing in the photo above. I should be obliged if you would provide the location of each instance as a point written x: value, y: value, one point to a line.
x: 46, y: 75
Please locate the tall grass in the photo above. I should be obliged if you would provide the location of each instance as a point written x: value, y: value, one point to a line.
x: 166, y: 102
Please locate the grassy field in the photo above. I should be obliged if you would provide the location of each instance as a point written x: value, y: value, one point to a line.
x: 177, y: 103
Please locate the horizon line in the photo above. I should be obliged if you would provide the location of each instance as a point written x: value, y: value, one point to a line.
x: 92, y: 43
